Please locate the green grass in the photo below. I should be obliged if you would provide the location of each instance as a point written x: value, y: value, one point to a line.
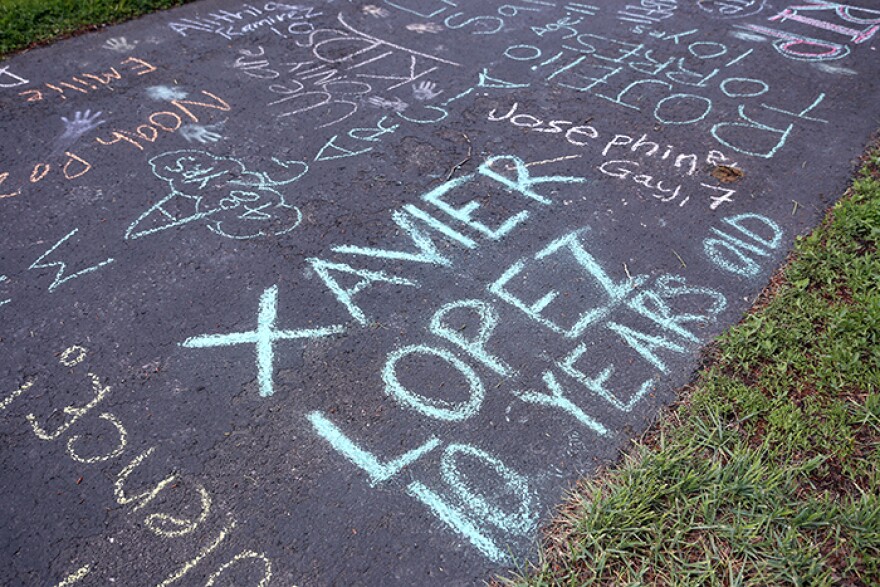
x: 768, y: 471
x: 27, y: 22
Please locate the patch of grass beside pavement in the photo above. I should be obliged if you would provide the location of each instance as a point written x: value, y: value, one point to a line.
x: 27, y: 22
x: 768, y: 472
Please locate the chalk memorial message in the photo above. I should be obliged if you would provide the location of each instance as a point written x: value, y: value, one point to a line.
x: 350, y: 293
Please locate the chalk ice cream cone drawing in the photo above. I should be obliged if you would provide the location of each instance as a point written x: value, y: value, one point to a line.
x: 221, y: 193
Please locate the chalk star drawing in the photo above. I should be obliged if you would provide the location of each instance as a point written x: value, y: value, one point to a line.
x: 263, y: 337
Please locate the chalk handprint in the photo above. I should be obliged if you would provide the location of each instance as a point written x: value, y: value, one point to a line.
x: 81, y: 123
x: 420, y: 28
x: 202, y: 134
x: 375, y: 11
x: 425, y: 91
x: 397, y: 104
x: 119, y: 45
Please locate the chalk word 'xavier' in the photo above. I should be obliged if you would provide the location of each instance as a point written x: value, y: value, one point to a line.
x: 263, y: 337
x: 233, y: 201
x: 418, y: 223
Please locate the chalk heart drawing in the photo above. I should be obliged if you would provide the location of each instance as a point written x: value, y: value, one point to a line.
x: 221, y: 193
x: 263, y: 337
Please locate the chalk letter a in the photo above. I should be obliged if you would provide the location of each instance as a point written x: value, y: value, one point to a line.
x: 346, y: 295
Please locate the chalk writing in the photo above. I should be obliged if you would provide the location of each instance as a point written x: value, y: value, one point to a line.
x: 836, y: 69
x: 162, y: 524
x: 465, y: 509
x: 795, y: 44
x: 335, y: 149
x: 578, y: 135
x: 735, y: 255
x: 263, y: 338
x: 164, y: 121
x: 75, y: 577
x: 580, y: 8
x: 728, y: 9
x: 6, y: 401
x: 592, y: 62
x: 84, y: 83
x: 476, y: 347
x: 744, y: 36
x: 341, y: 68
x: 523, y: 184
x: 60, y: 277
x: 688, y: 162
x: 435, y: 408
x: 648, y: 12
x: 123, y: 440
x: 11, y: 80
x: 230, y: 24
x: 204, y: 552
x: 100, y: 391
x: 3, y: 279
x: 74, y: 167
x: 73, y: 356
x: 557, y: 399
x: 485, y: 301
x: 478, y: 24
x: 377, y: 471
x: 265, y: 576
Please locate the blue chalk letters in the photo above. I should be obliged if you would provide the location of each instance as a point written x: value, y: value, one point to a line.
x: 263, y: 338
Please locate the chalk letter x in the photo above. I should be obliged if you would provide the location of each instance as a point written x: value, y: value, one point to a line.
x: 263, y: 337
